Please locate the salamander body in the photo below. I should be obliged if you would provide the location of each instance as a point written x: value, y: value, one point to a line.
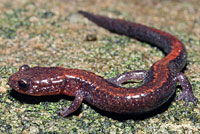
x: 159, y: 82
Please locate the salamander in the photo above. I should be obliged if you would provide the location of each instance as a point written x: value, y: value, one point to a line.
x: 159, y: 82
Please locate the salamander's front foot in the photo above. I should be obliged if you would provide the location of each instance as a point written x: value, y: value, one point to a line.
x: 188, y: 96
x: 74, y: 106
x: 64, y: 112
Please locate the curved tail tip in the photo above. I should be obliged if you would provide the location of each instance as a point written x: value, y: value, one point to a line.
x: 88, y: 15
x: 82, y: 12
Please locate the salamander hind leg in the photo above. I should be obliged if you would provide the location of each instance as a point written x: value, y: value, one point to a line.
x: 133, y: 75
x: 73, y: 107
x: 187, y: 94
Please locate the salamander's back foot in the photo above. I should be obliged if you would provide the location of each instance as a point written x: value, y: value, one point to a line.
x: 188, y: 97
x: 132, y: 75
x: 187, y: 93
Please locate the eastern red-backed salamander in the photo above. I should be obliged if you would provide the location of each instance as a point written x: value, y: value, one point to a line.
x: 159, y: 82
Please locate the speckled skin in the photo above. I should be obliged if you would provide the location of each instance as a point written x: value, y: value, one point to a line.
x: 159, y: 82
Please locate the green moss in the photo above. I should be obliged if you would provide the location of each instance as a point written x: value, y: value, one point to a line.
x: 45, y: 15
x: 11, y: 22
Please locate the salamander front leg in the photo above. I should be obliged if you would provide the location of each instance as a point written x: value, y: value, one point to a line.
x: 187, y: 94
x: 74, y: 106
x: 133, y: 75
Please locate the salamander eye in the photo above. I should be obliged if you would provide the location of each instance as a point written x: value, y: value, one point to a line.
x: 23, y: 84
x: 24, y: 67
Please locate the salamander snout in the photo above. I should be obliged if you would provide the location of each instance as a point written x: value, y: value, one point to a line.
x: 18, y: 84
x: 19, y: 81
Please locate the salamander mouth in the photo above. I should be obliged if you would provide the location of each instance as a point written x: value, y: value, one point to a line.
x: 12, y: 82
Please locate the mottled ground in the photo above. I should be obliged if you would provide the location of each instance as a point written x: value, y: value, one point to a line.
x: 52, y: 33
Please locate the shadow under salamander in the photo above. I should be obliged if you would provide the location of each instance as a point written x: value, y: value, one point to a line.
x: 142, y: 116
x: 120, y: 117
x: 23, y: 98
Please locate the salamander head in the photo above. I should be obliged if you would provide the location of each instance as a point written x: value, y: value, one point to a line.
x: 36, y: 81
